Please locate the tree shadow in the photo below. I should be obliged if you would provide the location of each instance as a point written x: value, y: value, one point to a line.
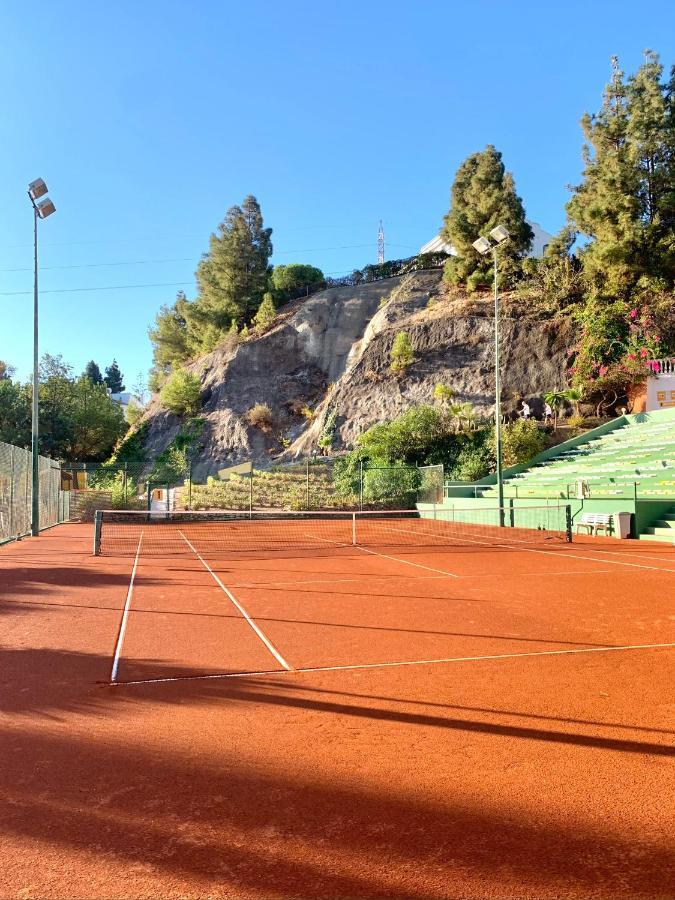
x: 50, y: 681
x: 274, y: 830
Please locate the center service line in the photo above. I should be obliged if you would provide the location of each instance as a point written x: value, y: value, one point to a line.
x: 270, y: 646
x: 125, y: 615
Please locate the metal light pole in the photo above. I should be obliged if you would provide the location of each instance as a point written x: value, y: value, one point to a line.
x: 41, y: 210
x: 483, y: 245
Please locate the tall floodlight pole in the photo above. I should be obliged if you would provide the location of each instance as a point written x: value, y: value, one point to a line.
x: 41, y: 210
x: 483, y: 245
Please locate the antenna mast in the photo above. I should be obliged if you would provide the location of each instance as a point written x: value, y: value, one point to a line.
x: 380, y: 244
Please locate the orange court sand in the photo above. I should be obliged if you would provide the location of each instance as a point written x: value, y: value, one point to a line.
x: 414, y: 722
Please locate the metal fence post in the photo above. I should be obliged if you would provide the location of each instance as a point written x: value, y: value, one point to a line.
x: 361, y: 484
x: 250, y: 493
x: 190, y: 485
x: 124, y: 483
x: 11, y: 490
x: 307, y: 468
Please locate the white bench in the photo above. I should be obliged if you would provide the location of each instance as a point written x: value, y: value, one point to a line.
x: 594, y: 522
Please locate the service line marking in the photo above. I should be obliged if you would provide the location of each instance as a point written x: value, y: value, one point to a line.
x: 390, y: 665
x: 406, y: 562
x: 396, y: 578
x: 519, y: 545
x: 125, y: 614
x: 270, y: 646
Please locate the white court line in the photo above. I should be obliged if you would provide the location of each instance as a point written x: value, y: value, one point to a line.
x: 125, y: 615
x: 369, y: 577
x: 406, y: 562
x: 392, y: 665
x: 517, y: 545
x: 270, y: 646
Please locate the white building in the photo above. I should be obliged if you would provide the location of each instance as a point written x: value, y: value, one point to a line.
x: 541, y: 239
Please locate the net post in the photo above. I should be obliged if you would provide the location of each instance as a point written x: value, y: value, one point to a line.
x: 354, y: 529
x: 97, y: 532
x: 568, y: 523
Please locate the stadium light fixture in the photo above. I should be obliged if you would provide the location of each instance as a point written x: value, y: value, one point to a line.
x: 499, y: 234
x: 37, y: 189
x: 41, y: 210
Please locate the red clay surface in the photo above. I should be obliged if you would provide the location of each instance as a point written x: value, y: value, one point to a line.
x: 521, y: 766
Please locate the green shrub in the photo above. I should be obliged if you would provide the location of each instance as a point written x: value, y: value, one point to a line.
x: 521, y: 441
x: 402, y: 354
x: 133, y: 413
x: 181, y: 392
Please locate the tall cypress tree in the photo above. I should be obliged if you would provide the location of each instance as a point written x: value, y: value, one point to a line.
x: 114, y: 378
x: 626, y: 202
x: 93, y: 373
x: 484, y: 196
x: 233, y: 276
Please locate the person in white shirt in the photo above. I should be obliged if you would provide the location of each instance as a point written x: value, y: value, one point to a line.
x: 548, y: 413
x: 525, y: 411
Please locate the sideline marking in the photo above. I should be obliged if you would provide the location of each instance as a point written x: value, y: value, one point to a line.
x: 391, y: 665
x: 270, y: 646
x: 517, y: 545
x: 406, y: 562
x: 125, y: 614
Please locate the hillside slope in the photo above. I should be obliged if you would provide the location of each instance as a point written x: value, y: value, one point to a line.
x: 330, y: 353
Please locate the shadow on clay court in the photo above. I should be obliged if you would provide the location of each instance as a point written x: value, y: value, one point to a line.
x: 50, y: 680
x: 279, y: 829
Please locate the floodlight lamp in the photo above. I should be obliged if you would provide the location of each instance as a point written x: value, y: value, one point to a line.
x: 482, y: 245
x: 37, y: 189
x: 499, y: 234
x: 45, y: 208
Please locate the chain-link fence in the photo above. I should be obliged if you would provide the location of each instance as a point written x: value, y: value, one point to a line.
x: 315, y: 484
x: 16, y: 496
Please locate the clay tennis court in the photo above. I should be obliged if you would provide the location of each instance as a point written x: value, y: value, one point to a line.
x: 186, y: 717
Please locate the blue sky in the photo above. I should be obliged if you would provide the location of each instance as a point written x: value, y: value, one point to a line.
x: 148, y: 120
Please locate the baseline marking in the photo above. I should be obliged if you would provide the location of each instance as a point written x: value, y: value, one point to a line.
x: 392, y: 665
x: 270, y: 646
x: 125, y: 614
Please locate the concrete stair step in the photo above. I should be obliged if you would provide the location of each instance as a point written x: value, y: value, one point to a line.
x: 657, y: 537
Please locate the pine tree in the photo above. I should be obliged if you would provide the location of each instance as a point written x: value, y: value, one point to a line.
x: 233, y: 276
x: 626, y: 202
x: 266, y: 313
x: 93, y: 373
x: 114, y: 378
x: 484, y: 196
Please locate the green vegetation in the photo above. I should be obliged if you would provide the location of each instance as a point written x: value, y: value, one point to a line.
x: 114, y: 378
x: 181, y: 392
x: 484, y: 196
x: 402, y: 353
x: 295, y: 280
x: 265, y: 315
x: 93, y: 373
x: 521, y: 441
x: 443, y: 393
x: 78, y: 419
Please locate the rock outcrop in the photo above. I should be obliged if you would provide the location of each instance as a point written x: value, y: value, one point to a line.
x: 330, y: 354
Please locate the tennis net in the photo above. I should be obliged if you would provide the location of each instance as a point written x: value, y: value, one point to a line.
x: 123, y: 531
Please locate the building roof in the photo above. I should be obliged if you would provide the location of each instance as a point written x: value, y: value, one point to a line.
x: 541, y: 239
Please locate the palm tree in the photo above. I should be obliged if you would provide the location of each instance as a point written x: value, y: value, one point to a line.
x: 575, y: 396
x: 555, y: 400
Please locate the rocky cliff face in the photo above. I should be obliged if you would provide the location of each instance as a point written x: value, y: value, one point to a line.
x: 331, y: 353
